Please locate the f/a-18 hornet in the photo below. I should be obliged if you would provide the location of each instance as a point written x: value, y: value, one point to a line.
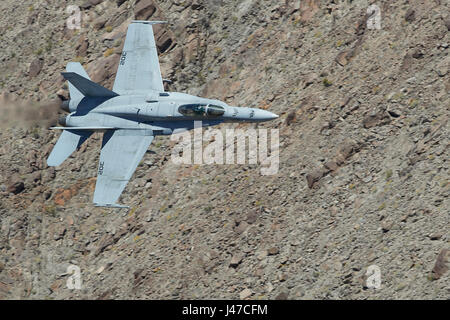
x: 133, y: 113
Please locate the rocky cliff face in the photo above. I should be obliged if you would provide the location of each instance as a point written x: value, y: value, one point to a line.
x: 364, y: 149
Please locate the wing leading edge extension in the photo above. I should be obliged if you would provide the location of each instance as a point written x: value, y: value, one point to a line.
x: 122, y: 150
x: 139, y: 70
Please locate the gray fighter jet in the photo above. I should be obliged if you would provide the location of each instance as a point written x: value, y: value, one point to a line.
x: 133, y: 113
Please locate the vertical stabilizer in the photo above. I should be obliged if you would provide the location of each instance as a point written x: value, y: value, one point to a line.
x: 76, y: 67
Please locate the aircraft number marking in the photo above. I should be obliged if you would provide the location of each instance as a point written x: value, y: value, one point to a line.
x: 123, y: 58
x: 235, y: 112
x: 100, y: 168
x: 252, y: 113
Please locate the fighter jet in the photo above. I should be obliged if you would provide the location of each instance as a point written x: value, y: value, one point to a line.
x: 133, y: 113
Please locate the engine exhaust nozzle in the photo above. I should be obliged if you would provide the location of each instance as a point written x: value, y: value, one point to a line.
x: 65, y: 105
x: 62, y: 121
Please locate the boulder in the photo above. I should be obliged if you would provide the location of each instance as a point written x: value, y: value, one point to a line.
x: 144, y: 9
x: 16, y: 187
x: 35, y: 67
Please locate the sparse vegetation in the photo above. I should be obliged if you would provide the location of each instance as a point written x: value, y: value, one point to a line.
x: 201, y: 78
x: 388, y: 174
x: 326, y: 82
x: 413, y: 103
x: 39, y: 51
x: 108, y: 52
x: 49, y: 46
x: 78, y: 59
x: 208, y: 209
x: 50, y: 210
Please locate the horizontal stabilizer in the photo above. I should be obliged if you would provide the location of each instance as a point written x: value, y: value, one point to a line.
x: 87, y: 87
x: 67, y: 143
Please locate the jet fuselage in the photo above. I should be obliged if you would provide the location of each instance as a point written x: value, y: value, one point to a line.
x: 161, y: 112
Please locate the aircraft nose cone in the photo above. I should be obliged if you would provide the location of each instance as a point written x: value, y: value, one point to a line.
x: 264, y: 115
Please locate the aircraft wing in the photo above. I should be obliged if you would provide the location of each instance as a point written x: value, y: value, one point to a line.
x: 122, y: 150
x: 139, y: 71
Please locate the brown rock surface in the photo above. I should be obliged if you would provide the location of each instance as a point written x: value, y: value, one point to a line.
x: 363, y: 163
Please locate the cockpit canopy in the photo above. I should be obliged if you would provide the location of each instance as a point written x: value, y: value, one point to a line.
x: 201, y: 110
